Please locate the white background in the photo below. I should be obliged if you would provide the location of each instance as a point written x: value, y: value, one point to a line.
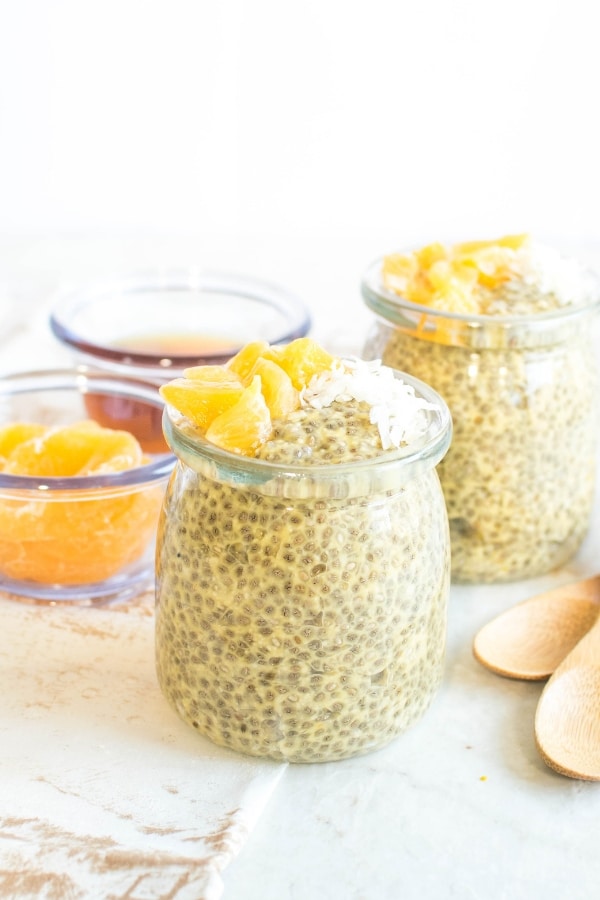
x: 291, y: 140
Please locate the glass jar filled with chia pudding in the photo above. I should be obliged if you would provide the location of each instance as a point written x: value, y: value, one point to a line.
x: 303, y: 555
x: 503, y: 330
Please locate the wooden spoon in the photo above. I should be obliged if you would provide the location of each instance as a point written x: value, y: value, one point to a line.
x: 531, y: 639
x: 567, y: 720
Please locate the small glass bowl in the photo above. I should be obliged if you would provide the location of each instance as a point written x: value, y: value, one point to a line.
x: 153, y: 326
x: 82, y: 539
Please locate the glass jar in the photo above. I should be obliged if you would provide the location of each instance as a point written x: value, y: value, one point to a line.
x: 301, y: 610
x: 519, y: 478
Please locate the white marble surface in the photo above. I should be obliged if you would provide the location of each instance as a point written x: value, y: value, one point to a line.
x: 104, y: 792
x: 461, y: 806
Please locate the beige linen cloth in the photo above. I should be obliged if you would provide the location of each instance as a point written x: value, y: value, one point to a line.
x: 104, y: 792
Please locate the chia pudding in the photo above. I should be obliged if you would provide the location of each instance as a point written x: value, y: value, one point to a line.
x: 519, y: 376
x: 302, y: 592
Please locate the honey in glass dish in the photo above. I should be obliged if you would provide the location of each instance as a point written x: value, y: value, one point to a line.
x: 151, y: 326
x: 144, y: 422
x: 166, y: 345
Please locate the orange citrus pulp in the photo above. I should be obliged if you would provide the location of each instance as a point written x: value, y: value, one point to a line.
x: 301, y: 359
x: 200, y: 399
x: 245, y: 426
x: 72, y: 536
x: 447, y: 278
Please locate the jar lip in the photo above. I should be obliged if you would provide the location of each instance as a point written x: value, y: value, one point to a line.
x: 391, y: 305
x: 429, y: 448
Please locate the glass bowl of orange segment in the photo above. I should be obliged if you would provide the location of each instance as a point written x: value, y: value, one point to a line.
x: 79, y: 502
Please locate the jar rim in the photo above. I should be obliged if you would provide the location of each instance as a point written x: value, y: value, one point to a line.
x: 327, y: 479
x: 470, y: 328
x: 373, y: 289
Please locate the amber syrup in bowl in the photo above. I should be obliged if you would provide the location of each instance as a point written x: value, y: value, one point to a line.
x: 153, y: 326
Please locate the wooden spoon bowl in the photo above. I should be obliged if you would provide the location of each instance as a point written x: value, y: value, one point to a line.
x: 532, y: 638
x: 567, y: 721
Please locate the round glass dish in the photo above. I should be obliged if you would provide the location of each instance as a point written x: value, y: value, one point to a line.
x: 154, y: 325
x: 81, y: 539
x: 519, y: 478
x: 301, y: 609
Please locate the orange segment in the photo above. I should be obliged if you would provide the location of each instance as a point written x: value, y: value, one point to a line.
x: 75, y: 537
x: 280, y: 394
x: 245, y: 426
x: 452, y: 287
x: 88, y: 449
x: 448, y: 279
x: 493, y: 265
x: 81, y: 449
x: 201, y: 401
x: 215, y: 374
x: 115, y: 451
x: 430, y: 254
x: 512, y: 241
x: 301, y: 359
x: 244, y: 361
x: 16, y: 433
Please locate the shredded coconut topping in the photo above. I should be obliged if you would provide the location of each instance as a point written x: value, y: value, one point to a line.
x: 552, y: 273
x: 401, y: 417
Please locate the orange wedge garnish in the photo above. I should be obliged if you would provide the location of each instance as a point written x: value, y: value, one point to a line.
x: 447, y: 279
x: 245, y: 425
x: 244, y: 361
x: 201, y: 400
x: 280, y: 394
x: 301, y: 359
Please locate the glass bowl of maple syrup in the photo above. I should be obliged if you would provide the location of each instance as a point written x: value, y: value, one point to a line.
x: 153, y: 326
